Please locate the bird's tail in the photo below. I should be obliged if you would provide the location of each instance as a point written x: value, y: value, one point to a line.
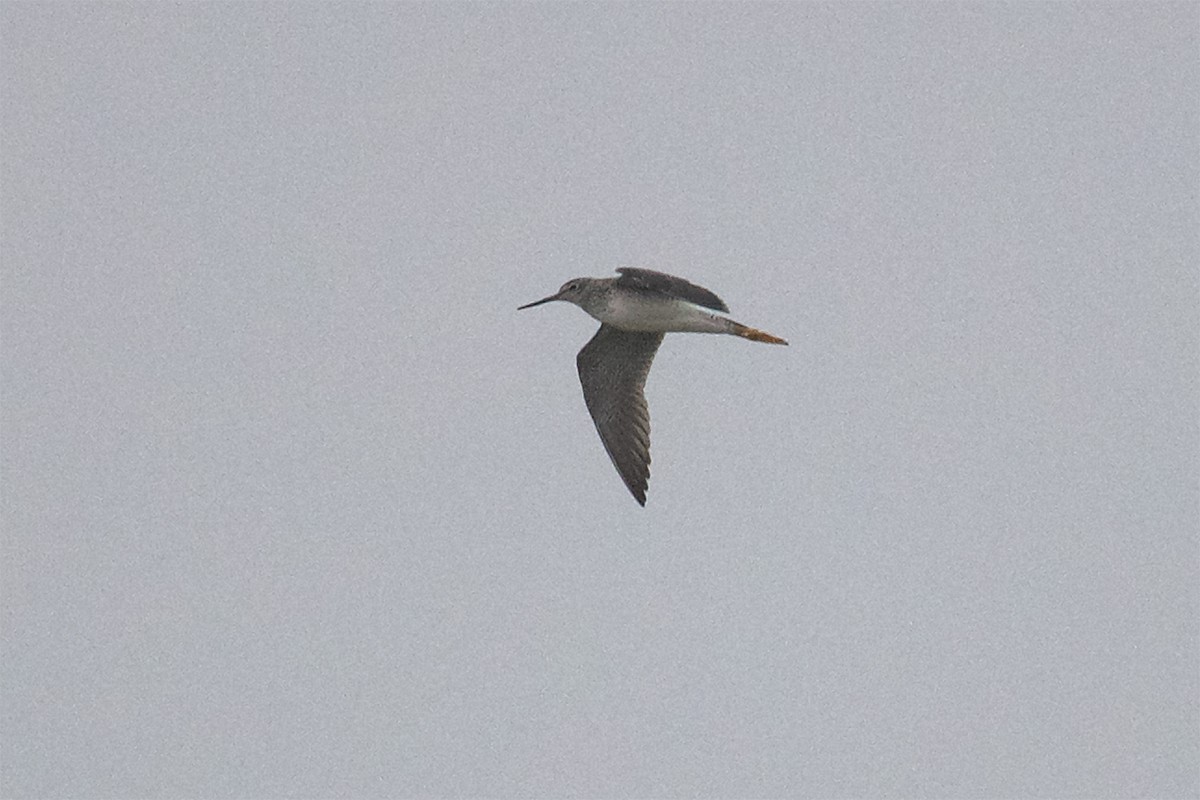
x: 753, y: 334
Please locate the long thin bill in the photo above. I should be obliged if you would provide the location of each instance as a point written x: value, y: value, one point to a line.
x: 538, y: 302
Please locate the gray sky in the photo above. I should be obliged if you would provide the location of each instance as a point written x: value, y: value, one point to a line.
x: 297, y: 504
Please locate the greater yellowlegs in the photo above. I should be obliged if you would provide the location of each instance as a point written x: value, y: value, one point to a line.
x: 634, y: 311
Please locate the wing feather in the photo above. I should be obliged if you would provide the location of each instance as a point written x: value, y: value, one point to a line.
x: 649, y: 280
x: 613, y: 367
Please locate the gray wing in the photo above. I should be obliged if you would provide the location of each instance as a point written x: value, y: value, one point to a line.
x: 669, y: 285
x: 612, y: 369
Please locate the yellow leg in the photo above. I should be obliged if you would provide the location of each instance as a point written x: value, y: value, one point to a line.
x: 755, y: 335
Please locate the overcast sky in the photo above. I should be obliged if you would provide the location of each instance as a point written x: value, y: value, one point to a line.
x: 297, y: 504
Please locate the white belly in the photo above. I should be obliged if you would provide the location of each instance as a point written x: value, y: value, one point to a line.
x: 654, y: 314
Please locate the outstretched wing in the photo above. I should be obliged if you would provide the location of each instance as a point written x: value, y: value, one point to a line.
x: 612, y: 369
x: 648, y: 279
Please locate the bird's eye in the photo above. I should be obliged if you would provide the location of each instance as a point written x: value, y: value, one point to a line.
x: 572, y: 287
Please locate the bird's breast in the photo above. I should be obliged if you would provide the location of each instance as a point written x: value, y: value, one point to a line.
x: 651, y: 314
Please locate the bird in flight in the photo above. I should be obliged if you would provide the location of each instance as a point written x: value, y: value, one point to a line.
x: 635, y: 310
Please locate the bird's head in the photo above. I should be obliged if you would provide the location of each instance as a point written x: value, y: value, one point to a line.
x: 572, y: 292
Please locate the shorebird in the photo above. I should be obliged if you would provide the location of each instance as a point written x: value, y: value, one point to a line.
x: 635, y: 310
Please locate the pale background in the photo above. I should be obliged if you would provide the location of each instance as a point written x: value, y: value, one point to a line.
x: 297, y: 504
